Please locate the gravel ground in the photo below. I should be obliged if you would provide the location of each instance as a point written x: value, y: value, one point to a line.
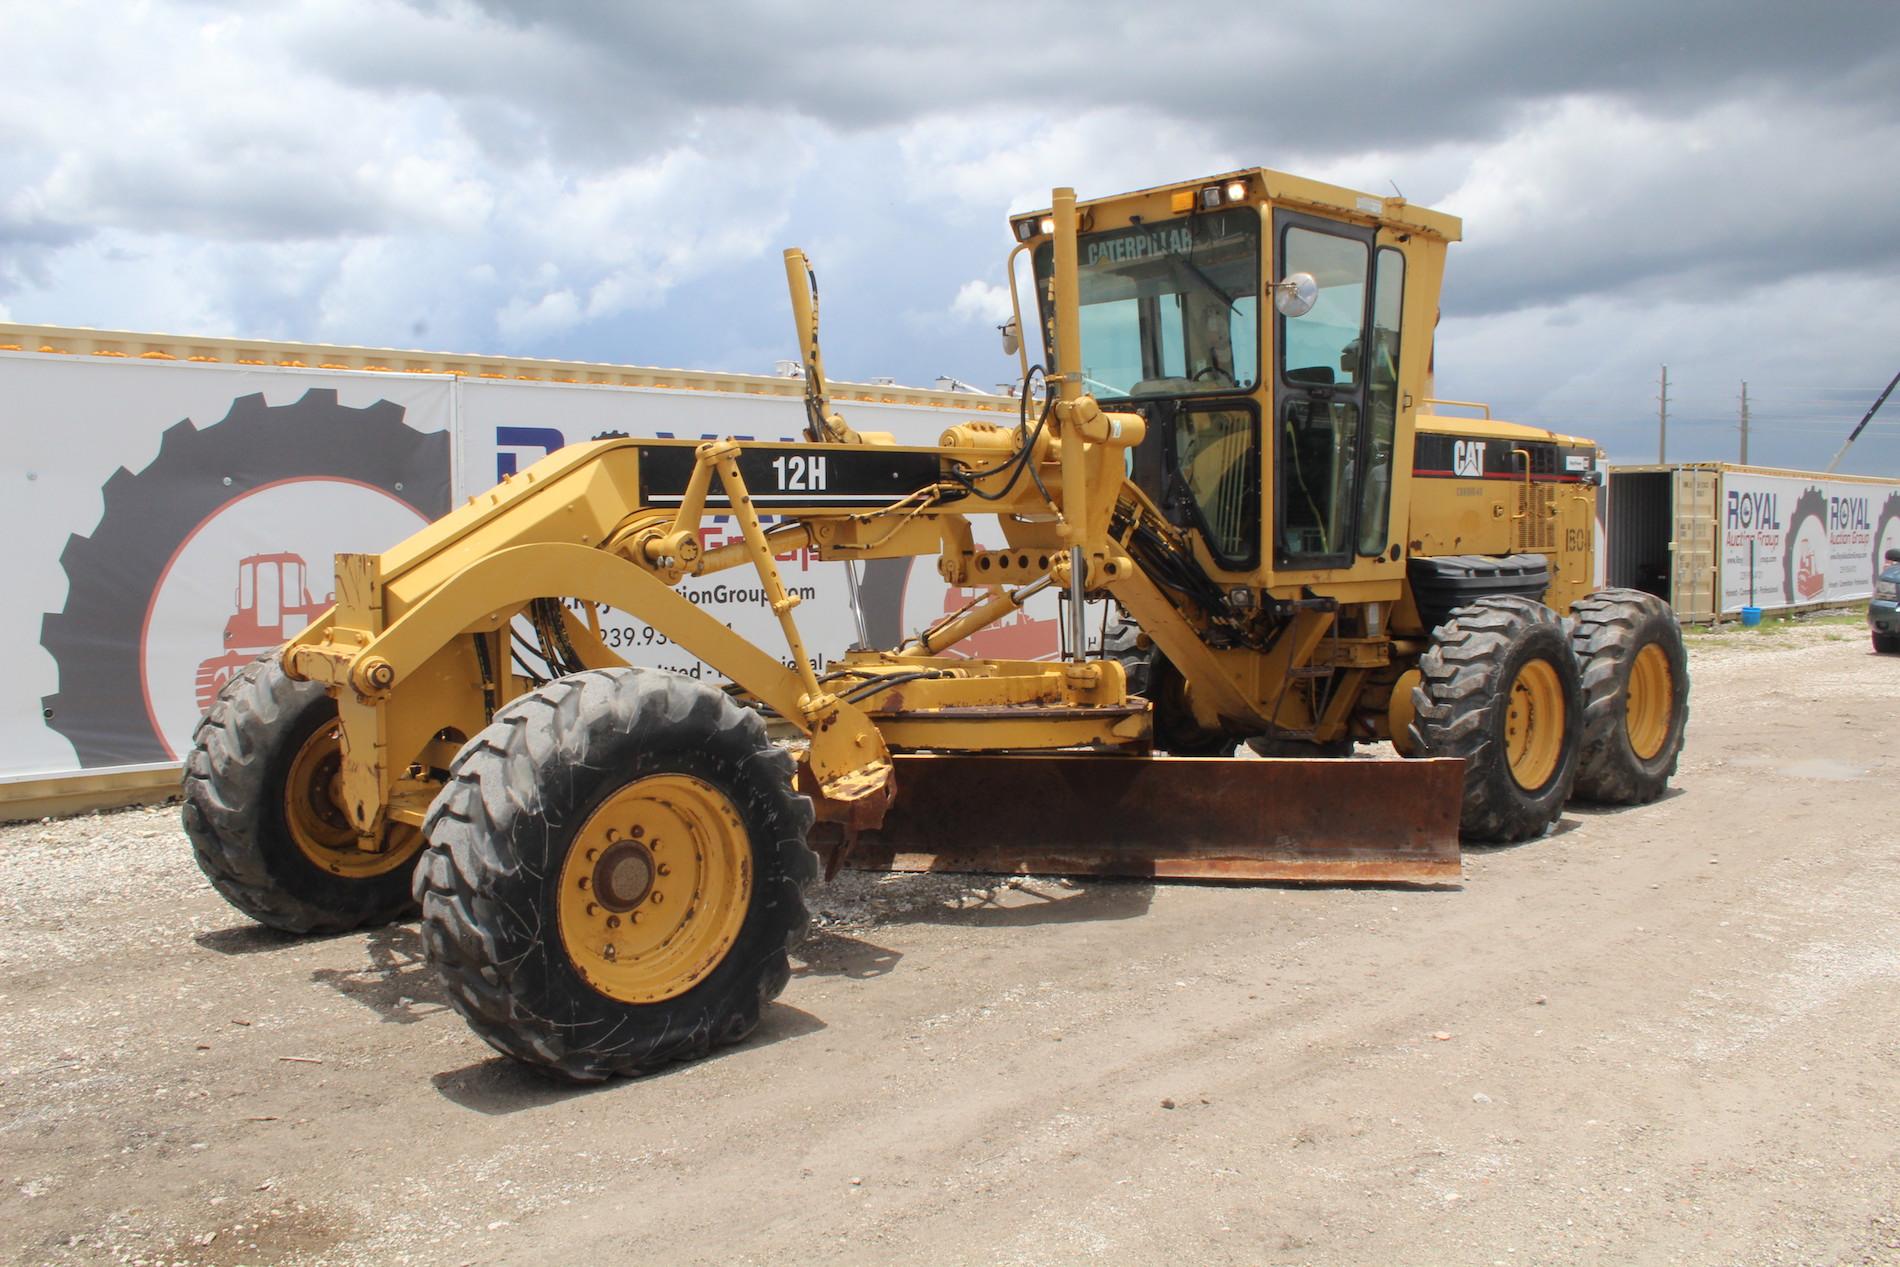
x: 1664, y: 1035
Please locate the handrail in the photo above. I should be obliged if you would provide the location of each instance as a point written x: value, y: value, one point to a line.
x: 1462, y: 404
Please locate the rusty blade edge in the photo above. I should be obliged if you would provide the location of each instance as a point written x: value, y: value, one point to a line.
x: 1434, y: 871
x: 1313, y: 821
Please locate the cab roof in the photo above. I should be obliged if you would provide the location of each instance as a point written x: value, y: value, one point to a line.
x: 1288, y: 190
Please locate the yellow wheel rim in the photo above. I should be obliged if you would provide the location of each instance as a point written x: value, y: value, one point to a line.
x: 319, y: 827
x: 1650, y: 702
x: 1534, y: 724
x: 654, y: 888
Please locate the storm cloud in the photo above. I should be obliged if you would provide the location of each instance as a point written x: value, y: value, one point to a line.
x: 1707, y: 185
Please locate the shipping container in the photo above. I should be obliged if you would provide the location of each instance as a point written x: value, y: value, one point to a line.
x: 1715, y: 537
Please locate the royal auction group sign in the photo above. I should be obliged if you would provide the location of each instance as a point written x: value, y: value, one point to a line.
x: 1790, y: 540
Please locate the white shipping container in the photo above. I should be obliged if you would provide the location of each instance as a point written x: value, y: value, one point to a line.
x: 1714, y: 537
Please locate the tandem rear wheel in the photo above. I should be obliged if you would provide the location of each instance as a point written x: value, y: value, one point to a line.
x: 1499, y: 687
x: 1636, y: 695
x: 615, y: 875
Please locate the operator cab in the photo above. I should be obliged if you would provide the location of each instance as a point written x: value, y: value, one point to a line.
x: 1187, y: 292
x: 1170, y: 323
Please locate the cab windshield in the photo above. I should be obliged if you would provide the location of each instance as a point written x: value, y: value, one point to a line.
x: 1169, y: 309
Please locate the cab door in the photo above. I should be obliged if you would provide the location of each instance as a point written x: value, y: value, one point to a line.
x: 1320, y: 366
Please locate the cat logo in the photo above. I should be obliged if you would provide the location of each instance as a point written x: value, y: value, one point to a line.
x: 1467, y: 458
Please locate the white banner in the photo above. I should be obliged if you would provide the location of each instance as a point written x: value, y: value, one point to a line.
x: 171, y: 520
x: 168, y: 521
x: 1789, y: 540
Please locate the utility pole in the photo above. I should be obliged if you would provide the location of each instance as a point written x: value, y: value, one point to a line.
x: 1662, y: 422
x: 1744, y: 422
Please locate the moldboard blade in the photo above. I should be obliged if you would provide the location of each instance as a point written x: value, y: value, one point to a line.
x: 1315, y: 821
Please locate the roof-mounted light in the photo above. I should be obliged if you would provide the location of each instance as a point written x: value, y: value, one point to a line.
x: 1026, y: 230
x: 1236, y: 190
x: 1210, y: 197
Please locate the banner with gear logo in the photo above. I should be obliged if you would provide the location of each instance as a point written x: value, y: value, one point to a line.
x: 1795, y: 540
x: 169, y: 523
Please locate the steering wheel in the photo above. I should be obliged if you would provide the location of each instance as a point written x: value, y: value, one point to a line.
x: 1209, y: 371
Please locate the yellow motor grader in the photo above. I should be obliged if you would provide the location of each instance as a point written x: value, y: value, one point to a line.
x: 1234, y: 444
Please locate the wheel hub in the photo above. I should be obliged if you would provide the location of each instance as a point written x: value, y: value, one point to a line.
x: 624, y: 875
x: 318, y: 826
x: 655, y: 887
x: 1649, y: 705
x: 1534, y: 724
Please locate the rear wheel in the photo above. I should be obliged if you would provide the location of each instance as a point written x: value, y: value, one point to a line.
x: 263, y: 819
x: 1498, y: 687
x: 616, y: 873
x: 1636, y: 695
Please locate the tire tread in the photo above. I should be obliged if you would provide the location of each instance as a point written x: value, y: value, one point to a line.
x: 1453, y: 708
x: 1609, y: 629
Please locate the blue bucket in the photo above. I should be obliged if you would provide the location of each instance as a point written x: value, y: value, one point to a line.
x: 1751, y: 616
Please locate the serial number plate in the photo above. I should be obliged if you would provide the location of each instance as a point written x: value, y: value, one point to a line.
x: 795, y: 475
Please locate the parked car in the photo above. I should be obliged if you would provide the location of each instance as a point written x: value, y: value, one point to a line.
x: 1883, y: 613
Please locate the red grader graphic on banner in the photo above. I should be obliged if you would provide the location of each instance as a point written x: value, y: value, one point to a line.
x: 273, y: 606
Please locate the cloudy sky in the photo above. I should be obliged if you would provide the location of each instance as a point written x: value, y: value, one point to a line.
x: 1709, y: 185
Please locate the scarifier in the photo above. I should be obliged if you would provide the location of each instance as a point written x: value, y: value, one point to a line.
x: 1236, y: 443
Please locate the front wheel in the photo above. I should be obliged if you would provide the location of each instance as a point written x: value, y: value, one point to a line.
x: 1886, y: 643
x: 1498, y: 687
x: 1635, y: 692
x: 616, y: 874
x: 263, y: 819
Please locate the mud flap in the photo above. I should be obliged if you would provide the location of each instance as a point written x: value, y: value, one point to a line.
x: 1317, y: 821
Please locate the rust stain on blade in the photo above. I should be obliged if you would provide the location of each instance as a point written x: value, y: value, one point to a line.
x: 1314, y: 821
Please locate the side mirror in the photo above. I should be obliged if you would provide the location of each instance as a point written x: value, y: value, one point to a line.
x: 1296, y: 295
x: 1893, y: 555
x: 1012, y: 337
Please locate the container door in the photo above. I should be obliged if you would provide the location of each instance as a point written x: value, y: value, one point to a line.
x: 1692, y: 588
